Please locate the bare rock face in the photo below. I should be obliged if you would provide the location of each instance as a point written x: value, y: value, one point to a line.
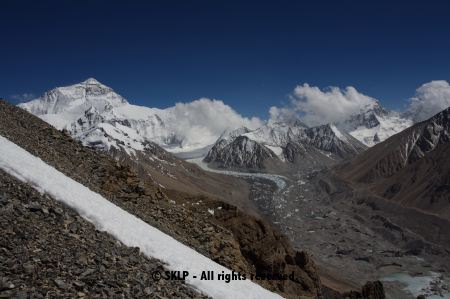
x: 282, y: 142
x: 376, y: 139
x: 268, y: 252
x: 407, y: 147
x: 371, y: 290
x: 242, y: 152
x: 411, y: 167
x: 367, y: 118
x: 331, y: 139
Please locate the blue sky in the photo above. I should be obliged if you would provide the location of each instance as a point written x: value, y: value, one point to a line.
x: 250, y: 55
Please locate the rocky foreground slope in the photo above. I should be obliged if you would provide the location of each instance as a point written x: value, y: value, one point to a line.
x: 48, y: 251
x: 230, y: 236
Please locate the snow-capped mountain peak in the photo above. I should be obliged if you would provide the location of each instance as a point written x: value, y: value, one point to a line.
x: 374, y: 124
x: 74, y: 100
x: 91, y: 81
x: 96, y: 115
x: 281, y: 141
x: 81, y: 108
x: 230, y: 134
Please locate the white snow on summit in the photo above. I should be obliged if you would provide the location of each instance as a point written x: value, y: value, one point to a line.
x: 275, y: 135
x: 374, y: 124
x: 338, y: 133
x: 98, y: 116
x: 122, y: 225
x: 64, y: 105
x: 387, y: 127
x: 284, y: 141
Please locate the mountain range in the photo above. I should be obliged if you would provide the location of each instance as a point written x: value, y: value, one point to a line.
x: 99, y: 117
x: 275, y: 143
x: 375, y: 179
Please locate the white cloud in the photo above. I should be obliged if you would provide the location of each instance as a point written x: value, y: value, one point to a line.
x: 430, y: 99
x: 24, y: 97
x: 202, y: 121
x: 315, y: 106
x: 282, y: 114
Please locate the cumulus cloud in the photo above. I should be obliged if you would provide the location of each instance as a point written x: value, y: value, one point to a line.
x: 315, y: 106
x: 283, y: 114
x: 430, y: 99
x: 202, y: 121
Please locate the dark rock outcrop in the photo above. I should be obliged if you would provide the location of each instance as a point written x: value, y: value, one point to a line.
x: 242, y: 152
x: 371, y: 290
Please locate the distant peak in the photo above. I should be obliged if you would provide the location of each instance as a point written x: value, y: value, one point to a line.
x: 91, y: 81
x: 232, y: 133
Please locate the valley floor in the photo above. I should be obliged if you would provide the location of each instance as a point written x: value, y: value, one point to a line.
x: 353, y: 238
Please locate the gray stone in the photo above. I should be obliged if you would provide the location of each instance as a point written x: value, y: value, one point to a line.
x: 148, y: 290
x: 34, y: 207
x: 60, y: 284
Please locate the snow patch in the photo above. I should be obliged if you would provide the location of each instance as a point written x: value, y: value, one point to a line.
x: 124, y: 226
x: 277, y: 151
x: 338, y: 133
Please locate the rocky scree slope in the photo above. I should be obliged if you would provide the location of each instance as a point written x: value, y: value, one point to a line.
x: 186, y: 218
x: 411, y: 167
x: 48, y: 251
x: 174, y: 174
